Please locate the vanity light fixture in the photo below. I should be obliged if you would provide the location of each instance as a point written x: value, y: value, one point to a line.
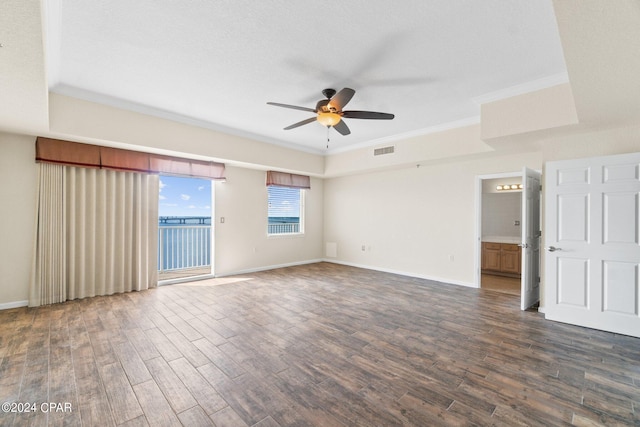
x: 509, y: 187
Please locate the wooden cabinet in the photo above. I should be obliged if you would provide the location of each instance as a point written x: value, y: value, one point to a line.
x: 491, y: 256
x: 501, y: 258
x: 510, y: 258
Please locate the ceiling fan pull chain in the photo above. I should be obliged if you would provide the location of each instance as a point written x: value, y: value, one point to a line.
x: 328, y: 129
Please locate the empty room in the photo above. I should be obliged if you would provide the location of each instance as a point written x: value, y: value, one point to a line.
x: 319, y: 213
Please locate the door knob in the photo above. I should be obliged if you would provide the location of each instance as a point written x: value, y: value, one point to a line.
x: 553, y: 249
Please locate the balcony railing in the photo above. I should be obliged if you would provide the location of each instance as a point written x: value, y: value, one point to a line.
x: 283, y: 228
x: 182, y: 247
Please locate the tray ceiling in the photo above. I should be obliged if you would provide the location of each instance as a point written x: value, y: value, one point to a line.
x: 215, y: 64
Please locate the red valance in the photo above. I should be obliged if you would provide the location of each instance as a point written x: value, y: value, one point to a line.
x: 283, y: 179
x: 68, y: 153
x: 94, y: 156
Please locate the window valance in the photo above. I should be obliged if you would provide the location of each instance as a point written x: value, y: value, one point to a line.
x: 58, y: 151
x: 67, y: 153
x: 177, y: 166
x: 283, y: 179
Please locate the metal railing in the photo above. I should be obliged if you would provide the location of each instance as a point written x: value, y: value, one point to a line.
x: 283, y: 228
x: 185, y: 246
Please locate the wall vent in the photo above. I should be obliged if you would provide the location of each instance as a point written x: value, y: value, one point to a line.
x: 384, y: 150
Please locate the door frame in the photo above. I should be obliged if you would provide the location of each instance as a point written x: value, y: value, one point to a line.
x: 212, y: 239
x: 478, y: 226
x: 477, y: 265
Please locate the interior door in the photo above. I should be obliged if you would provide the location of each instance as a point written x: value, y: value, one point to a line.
x: 592, y: 239
x: 530, y: 270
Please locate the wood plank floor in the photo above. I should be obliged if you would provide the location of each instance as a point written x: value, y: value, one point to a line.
x: 315, y: 345
x: 504, y: 284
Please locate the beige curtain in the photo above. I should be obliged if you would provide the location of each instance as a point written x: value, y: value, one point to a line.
x: 110, y: 231
x: 48, y: 273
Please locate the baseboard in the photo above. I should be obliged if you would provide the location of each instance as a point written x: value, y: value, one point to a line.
x: 14, y: 304
x: 269, y: 267
x: 404, y: 273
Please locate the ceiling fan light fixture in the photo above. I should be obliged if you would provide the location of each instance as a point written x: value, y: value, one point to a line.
x: 329, y: 112
x: 329, y: 118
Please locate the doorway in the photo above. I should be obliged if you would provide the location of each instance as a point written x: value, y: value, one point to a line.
x: 500, y: 233
x: 508, y: 234
x: 185, y: 229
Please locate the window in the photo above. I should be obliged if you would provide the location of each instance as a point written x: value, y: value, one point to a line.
x: 286, y: 207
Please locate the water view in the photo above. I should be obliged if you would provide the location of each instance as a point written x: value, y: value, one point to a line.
x: 184, y: 232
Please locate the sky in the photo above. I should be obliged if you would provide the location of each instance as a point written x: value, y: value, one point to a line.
x: 184, y: 196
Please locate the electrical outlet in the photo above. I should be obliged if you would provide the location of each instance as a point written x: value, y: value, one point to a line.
x: 364, y: 248
x: 516, y: 223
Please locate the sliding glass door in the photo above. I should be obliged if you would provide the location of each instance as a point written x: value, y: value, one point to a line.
x: 185, y: 234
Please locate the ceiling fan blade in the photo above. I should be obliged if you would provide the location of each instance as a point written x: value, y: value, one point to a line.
x: 304, y: 122
x: 367, y: 115
x: 293, y: 107
x: 342, y: 98
x: 342, y: 127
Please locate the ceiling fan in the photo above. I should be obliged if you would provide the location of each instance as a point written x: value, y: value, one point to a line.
x: 329, y: 111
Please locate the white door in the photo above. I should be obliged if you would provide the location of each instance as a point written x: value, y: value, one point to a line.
x: 592, y: 239
x: 530, y: 271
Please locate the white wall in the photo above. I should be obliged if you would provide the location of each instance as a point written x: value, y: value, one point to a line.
x: 241, y: 241
x: 593, y: 143
x: 499, y: 213
x: 17, y: 217
x: 548, y: 108
x: 412, y: 220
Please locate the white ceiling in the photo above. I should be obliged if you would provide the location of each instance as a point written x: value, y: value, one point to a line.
x: 217, y: 63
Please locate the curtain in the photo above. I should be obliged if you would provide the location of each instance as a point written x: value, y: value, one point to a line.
x: 47, y: 271
x: 112, y: 231
x: 106, y: 239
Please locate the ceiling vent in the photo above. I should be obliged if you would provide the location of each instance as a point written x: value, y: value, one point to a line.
x: 384, y: 150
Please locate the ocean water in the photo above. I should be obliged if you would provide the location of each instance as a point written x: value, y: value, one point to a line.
x: 284, y: 220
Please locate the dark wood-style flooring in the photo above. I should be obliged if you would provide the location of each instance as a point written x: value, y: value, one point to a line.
x: 315, y: 345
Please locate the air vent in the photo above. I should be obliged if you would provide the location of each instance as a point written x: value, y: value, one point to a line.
x: 384, y: 150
